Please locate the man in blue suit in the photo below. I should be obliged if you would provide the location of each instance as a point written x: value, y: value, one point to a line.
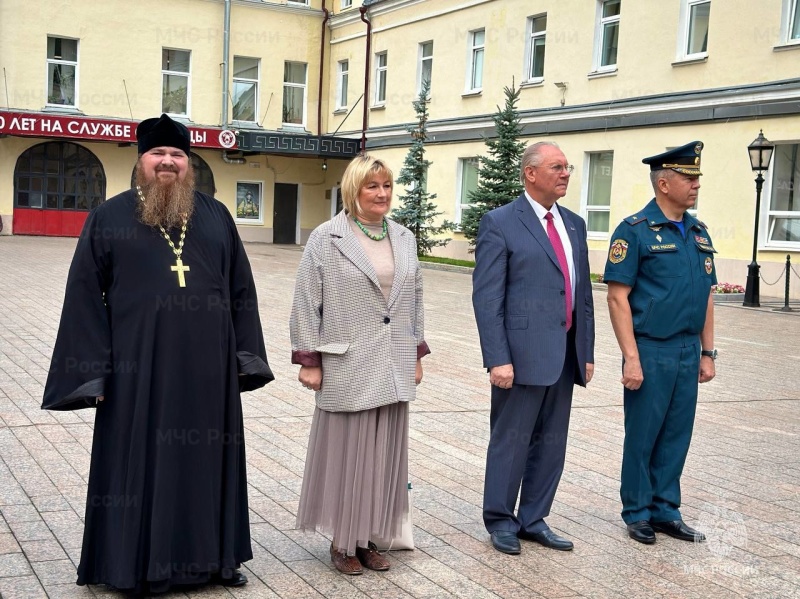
x: 532, y: 297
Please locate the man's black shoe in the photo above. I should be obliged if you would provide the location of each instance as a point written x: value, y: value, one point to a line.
x: 642, y: 531
x: 506, y: 542
x: 547, y: 538
x: 230, y: 578
x: 677, y: 529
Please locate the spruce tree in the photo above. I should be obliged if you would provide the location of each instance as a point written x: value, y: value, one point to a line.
x: 417, y: 211
x: 498, y: 173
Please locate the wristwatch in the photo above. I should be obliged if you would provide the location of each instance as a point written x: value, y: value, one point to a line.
x: 711, y: 353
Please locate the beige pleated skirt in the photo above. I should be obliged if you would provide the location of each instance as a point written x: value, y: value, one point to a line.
x: 355, y: 485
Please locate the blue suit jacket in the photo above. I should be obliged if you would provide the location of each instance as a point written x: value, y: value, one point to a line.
x: 518, y: 295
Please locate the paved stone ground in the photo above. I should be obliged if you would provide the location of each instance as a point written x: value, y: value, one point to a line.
x: 741, y: 484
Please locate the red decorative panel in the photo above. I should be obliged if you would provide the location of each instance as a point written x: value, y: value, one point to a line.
x: 51, y: 223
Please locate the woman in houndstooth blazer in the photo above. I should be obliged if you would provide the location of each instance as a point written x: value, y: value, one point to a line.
x: 357, y: 333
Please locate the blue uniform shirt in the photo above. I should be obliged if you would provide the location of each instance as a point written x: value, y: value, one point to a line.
x: 670, y: 274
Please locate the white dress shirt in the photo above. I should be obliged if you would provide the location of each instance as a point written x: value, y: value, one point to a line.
x: 541, y: 212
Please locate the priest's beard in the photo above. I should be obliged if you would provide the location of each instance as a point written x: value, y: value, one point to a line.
x: 168, y: 204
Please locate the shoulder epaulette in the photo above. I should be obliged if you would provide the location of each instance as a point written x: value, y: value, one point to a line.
x: 635, y: 219
x: 702, y: 224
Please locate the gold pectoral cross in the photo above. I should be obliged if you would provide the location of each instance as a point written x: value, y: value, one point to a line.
x: 180, y: 269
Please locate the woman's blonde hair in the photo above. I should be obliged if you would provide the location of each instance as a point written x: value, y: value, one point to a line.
x: 358, y: 172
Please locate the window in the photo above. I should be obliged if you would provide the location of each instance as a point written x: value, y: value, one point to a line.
x: 790, y: 22
x: 425, y: 66
x: 477, y: 40
x: 381, y: 66
x: 249, y: 202
x: 245, y: 89
x: 598, y: 192
x: 534, y: 52
x: 175, y: 81
x: 694, y: 29
x: 341, y: 83
x: 783, y: 228
x: 62, y: 71
x: 467, y: 182
x: 794, y: 31
x: 347, y: 4
x: 607, y: 35
x: 294, y: 93
x: 60, y: 176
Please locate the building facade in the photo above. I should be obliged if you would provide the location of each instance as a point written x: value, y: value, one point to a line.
x: 78, y: 77
x: 611, y: 81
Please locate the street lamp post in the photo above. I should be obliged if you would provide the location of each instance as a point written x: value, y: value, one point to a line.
x: 760, y: 155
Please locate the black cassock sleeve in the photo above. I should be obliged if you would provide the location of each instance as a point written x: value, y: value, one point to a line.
x: 82, y: 355
x: 251, y: 355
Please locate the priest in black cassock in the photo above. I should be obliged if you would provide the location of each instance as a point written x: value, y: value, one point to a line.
x: 160, y: 332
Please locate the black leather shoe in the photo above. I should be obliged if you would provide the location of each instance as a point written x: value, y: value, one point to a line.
x: 642, y: 531
x: 677, y: 529
x: 547, y: 538
x: 230, y: 578
x: 506, y: 542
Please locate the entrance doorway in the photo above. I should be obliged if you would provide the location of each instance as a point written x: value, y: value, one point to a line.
x: 284, y: 217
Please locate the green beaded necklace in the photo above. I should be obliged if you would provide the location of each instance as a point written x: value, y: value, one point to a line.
x: 370, y: 235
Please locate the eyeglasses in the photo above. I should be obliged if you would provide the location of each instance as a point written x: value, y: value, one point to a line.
x: 560, y: 168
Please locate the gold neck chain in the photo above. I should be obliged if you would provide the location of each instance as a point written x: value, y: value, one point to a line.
x: 180, y: 268
x: 175, y: 250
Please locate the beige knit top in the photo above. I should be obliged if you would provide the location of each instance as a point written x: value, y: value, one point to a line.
x: 378, y: 252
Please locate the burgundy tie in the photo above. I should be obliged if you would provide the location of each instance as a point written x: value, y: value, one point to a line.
x: 555, y: 239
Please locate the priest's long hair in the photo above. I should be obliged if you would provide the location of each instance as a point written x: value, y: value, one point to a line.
x: 166, y: 204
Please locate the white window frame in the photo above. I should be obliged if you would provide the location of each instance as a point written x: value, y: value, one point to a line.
x: 381, y: 76
x: 462, y: 162
x: 684, y: 31
x: 304, y: 87
x: 530, y: 38
x: 245, y: 186
x: 768, y: 216
x: 342, y: 83
x: 421, y: 60
x: 60, y: 61
x: 474, y: 50
x: 346, y: 4
x: 790, y: 14
x: 586, y: 208
x: 255, y: 82
x: 600, y: 38
x: 302, y: 2
x: 187, y: 75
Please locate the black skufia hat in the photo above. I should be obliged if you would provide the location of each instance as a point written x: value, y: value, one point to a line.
x: 162, y: 131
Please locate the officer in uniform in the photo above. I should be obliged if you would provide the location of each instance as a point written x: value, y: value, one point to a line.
x: 659, y: 271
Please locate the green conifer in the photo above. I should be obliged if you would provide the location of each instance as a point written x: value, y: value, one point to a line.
x: 417, y: 211
x: 498, y: 173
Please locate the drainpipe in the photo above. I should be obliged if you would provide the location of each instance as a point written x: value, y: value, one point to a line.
x: 228, y: 160
x: 363, y: 10
x: 321, y: 67
x: 226, y: 55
